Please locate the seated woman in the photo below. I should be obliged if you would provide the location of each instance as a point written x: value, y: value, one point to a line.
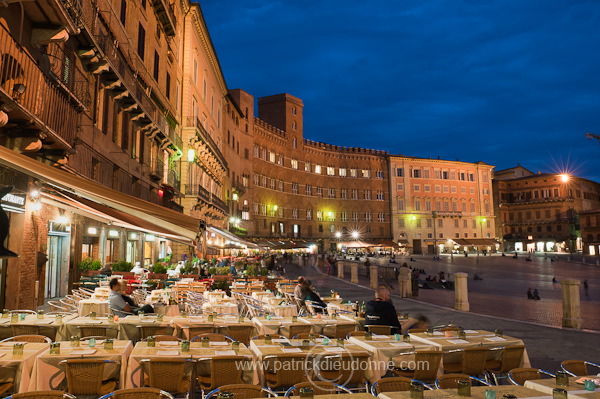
x: 119, y: 306
x: 307, y: 294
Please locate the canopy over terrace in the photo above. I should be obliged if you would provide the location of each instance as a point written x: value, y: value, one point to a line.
x: 357, y: 244
x: 284, y: 245
x: 476, y: 242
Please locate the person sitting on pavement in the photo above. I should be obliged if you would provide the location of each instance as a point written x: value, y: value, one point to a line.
x: 119, y: 306
x: 381, y: 311
x: 536, y: 294
x: 529, y: 294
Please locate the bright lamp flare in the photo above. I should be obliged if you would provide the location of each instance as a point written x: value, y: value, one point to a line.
x: 355, y: 234
x: 564, y: 177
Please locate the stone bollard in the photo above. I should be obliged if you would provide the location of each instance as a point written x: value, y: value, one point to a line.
x: 461, y: 295
x: 374, y: 273
x: 340, y: 267
x: 571, y: 305
x: 354, y: 273
x: 405, y: 283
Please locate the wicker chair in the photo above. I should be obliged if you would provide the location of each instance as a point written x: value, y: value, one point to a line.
x: 42, y: 395
x: 93, y: 331
x: 577, y: 368
x: 166, y: 373
x: 510, y: 358
x: 7, y: 384
x: 56, y: 306
x: 295, y: 329
x: 416, y: 330
x: 318, y: 387
x: 518, y: 376
x: 338, y: 330
x: 151, y: 331
x: 278, y: 376
x: 239, y: 333
x: 449, y: 328
x: 356, y: 334
x: 84, y: 376
x: 450, y: 381
x: 191, y: 332
x: 212, y: 337
x: 426, y: 374
x: 25, y: 330
x: 343, y: 371
x: 243, y: 391
x: 381, y: 330
x: 273, y: 336
x: 28, y: 338
x: 390, y: 384
x: 308, y: 336
x: 24, y: 311
x: 473, y: 362
x: 138, y: 393
x: 159, y: 338
x: 224, y: 370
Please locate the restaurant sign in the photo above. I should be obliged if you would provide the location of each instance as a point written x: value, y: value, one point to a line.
x: 13, y: 202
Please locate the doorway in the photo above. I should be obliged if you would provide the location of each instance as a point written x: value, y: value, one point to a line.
x: 57, y: 270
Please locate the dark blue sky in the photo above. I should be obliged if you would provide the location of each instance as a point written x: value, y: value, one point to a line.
x: 499, y: 81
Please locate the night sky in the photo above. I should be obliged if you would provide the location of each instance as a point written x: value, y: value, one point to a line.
x: 498, y: 81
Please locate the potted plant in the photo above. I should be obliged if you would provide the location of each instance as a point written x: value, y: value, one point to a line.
x: 90, y: 266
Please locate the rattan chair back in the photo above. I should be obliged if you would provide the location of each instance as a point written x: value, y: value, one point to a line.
x: 512, y: 356
x: 273, y: 336
x: 318, y: 387
x: 25, y: 330
x: 450, y: 381
x: 151, y: 331
x: 307, y: 336
x: 430, y: 360
x: 244, y: 391
x: 296, y: 328
x: 381, y: 330
x: 141, y: 393
x: 167, y: 374
x: 159, y: 338
x: 346, y: 369
x: 211, y: 337
x: 473, y: 360
x: 577, y: 367
x: 356, y: 334
x: 518, y: 376
x: 392, y: 384
x: 42, y: 395
x: 92, y: 331
x: 191, y: 332
x: 416, y: 330
x: 84, y: 376
x: 279, y: 372
x: 224, y: 370
x: 239, y: 333
x: 30, y: 338
x: 338, y: 330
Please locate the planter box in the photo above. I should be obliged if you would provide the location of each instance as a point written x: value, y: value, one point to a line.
x: 157, y: 276
x: 90, y: 273
x: 194, y: 276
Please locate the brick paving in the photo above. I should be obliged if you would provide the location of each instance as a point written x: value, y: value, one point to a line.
x: 546, y: 346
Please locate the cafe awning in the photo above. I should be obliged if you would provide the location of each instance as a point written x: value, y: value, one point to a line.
x: 356, y: 244
x: 386, y: 244
x: 232, y: 241
x: 104, y: 214
x: 171, y: 220
x: 474, y: 242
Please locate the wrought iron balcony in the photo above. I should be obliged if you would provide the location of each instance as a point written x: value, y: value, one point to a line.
x: 199, y: 191
x: 165, y: 16
x: 204, y: 136
x: 218, y: 202
x: 29, y: 89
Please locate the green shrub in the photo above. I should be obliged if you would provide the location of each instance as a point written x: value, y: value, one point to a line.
x: 90, y: 264
x: 263, y: 271
x: 252, y: 270
x: 158, y: 268
x: 122, y: 266
x: 188, y: 268
x: 222, y: 270
x: 212, y: 270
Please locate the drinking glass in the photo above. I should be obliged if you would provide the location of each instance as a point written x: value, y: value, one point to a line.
x: 160, y: 317
x: 430, y: 332
x: 151, y: 342
x: 55, y: 348
x: 235, y: 345
x: 210, y: 318
x: 397, y: 337
x: 240, y: 319
x: 562, y: 378
x: 306, y: 392
x: 141, y: 315
x: 416, y: 390
x: 461, y: 333
x: 368, y: 336
x: 108, y: 344
x: 185, y: 346
x: 40, y: 314
x: 93, y: 315
x: 14, y: 317
x: 5, y: 313
x: 92, y: 342
x: 490, y: 394
x: 22, y: 316
x: 325, y: 341
x: 589, y: 385
x: 268, y: 339
x: 18, y: 348
x: 305, y: 343
x: 58, y: 319
x: 74, y: 340
x: 406, y: 338
x: 205, y: 342
x: 294, y: 319
x: 464, y: 387
x: 334, y: 316
x: 498, y: 333
x: 559, y: 393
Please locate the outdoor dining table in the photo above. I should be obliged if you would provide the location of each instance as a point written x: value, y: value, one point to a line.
x: 575, y: 389
x: 128, y: 326
x: 272, y: 325
x: 70, y: 328
x: 283, y: 310
x: 358, y: 395
x: 19, y: 367
x: 474, y: 338
x: 48, y: 325
x: 262, y: 295
x: 260, y: 348
x: 49, y: 374
x: 318, y: 323
x: 86, y: 306
x: 212, y: 296
x: 182, y: 324
x: 476, y: 393
x: 220, y: 307
x: 172, y: 349
x: 383, y: 347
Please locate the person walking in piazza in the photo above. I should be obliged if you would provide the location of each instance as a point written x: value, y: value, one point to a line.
x: 586, y: 287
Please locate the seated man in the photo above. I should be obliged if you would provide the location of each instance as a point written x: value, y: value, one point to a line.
x: 119, y: 306
x: 381, y: 310
x: 298, y: 287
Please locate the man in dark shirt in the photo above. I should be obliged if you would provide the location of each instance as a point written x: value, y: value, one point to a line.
x: 381, y: 310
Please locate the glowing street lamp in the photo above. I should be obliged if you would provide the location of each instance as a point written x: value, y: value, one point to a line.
x: 338, y: 235
x: 355, y: 235
x: 564, y: 177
